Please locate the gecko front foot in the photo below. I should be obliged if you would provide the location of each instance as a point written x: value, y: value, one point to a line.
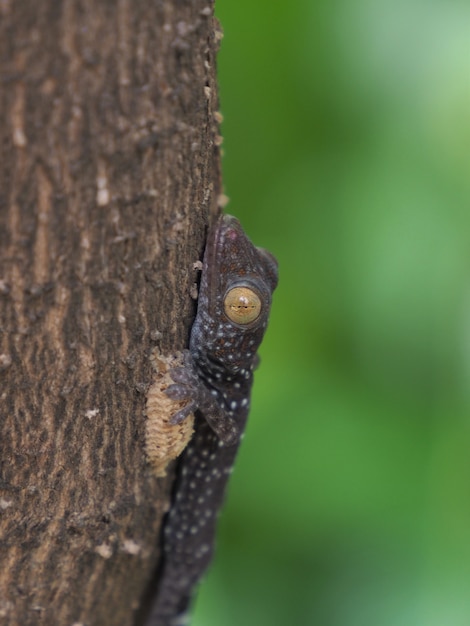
x: 188, y: 386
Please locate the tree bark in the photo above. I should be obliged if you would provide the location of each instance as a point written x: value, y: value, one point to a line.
x: 109, y: 174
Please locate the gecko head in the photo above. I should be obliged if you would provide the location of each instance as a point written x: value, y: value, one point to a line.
x: 235, y: 295
x: 234, y: 256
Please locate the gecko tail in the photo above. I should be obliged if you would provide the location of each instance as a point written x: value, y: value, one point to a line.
x: 164, y: 612
x: 179, y: 620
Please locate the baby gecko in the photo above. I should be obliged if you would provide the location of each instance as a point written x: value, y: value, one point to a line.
x: 234, y: 301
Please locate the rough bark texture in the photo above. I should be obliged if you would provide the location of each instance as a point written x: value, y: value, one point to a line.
x: 109, y: 174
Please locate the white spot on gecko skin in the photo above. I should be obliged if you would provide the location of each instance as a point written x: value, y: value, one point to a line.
x: 233, y: 405
x: 204, y: 549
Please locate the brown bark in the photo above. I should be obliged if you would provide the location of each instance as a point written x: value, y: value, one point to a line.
x: 109, y: 173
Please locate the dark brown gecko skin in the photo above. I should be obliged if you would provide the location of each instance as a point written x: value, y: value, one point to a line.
x: 234, y: 301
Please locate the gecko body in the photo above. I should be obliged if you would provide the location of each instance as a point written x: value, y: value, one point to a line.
x: 234, y: 301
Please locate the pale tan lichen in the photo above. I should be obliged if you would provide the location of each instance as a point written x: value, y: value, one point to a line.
x: 164, y: 441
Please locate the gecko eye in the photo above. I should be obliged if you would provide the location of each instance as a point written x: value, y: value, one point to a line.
x: 242, y: 305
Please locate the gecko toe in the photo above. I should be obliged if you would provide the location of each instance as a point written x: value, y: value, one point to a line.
x: 182, y: 375
x: 181, y: 415
x: 178, y: 392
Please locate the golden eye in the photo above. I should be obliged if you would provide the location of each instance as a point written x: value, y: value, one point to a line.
x: 242, y: 305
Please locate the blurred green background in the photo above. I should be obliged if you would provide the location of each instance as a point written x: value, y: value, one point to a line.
x: 347, y: 154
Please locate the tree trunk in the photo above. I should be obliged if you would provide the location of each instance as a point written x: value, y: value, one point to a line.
x: 109, y: 169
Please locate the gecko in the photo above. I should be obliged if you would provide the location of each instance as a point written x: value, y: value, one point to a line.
x: 234, y: 302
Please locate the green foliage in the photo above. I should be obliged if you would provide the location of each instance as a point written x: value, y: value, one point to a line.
x: 347, y: 153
